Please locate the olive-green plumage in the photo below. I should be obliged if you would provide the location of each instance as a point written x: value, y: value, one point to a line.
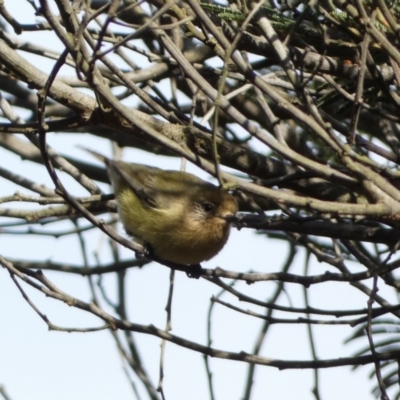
x: 183, y: 218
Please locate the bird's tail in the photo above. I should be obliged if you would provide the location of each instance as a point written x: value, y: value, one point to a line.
x: 95, y: 154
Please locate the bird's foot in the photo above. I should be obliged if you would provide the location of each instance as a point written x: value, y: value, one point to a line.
x: 194, y: 271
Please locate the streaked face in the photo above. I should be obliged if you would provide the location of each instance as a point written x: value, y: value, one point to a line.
x: 216, y: 205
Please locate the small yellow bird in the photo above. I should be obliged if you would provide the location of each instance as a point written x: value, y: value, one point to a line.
x: 184, y: 219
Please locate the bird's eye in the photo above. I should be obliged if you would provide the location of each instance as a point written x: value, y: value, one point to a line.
x: 207, y: 206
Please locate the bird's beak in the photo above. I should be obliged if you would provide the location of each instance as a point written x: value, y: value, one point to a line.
x: 229, y: 217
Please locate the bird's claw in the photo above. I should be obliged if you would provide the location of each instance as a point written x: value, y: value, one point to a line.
x: 194, y: 271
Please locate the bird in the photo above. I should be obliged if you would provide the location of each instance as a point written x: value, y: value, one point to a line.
x: 178, y: 216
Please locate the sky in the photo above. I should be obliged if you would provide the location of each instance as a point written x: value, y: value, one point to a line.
x: 42, y: 364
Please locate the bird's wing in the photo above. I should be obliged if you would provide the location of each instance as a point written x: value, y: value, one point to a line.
x: 141, y: 189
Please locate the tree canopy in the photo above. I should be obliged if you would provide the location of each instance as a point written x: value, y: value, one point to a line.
x: 292, y: 106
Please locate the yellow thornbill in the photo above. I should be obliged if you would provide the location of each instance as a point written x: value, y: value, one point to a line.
x: 184, y: 219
